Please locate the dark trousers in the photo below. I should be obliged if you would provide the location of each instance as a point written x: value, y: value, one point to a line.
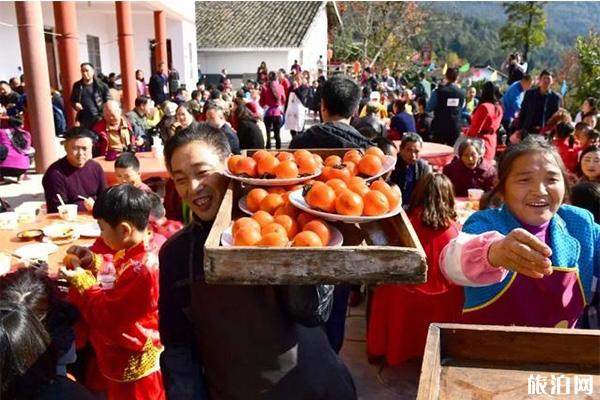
x: 273, y: 124
x: 336, y: 324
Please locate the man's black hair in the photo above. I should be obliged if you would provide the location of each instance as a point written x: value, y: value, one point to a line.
x: 83, y: 64
x: 141, y: 100
x: 340, y: 96
x: 526, y: 77
x: 545, y: 72
x: 4, y: 83
x: 213, y: 137
x: 385, y: 144
x: 126, y: 160
x: 451, y: 74
x: 123, y: 203
x: 80, y: 133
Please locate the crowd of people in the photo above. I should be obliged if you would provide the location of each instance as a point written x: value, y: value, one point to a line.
x: 143, y: 322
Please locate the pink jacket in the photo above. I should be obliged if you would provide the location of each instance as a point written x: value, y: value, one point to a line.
x: 273, y: 104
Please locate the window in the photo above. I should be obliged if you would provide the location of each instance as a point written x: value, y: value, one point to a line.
x: 93, y: 43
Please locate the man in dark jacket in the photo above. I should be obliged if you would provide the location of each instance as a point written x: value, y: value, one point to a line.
x: 88, y: 96
x: 409, y: 168
x: 339, y: 101
x: 539, y: 104
x: 158, y: 86
x: 447, y: 102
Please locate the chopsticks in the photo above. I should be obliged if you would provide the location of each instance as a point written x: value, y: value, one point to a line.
x: 62, y: 202
x: 82, y: 197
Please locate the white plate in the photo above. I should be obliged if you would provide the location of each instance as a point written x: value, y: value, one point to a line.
x: 270, y: 182
x: 90, y: 229
x: 297, y: 200
x: 244, y: 206
x: 59, y: 231
x: 36, y: 251
x: 337, y: 239
x: 388, y: 164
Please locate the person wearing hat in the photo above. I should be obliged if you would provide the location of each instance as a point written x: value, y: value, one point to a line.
x: 168, y: 124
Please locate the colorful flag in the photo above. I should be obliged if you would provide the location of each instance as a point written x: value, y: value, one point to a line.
x: 494, y: 76
x: 564, y: 88
x: 445, y: 69
x: 464, y: 67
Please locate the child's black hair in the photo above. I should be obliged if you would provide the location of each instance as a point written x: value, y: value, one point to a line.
x: 565, y: 130
x: 386, y: 145
x: 158, y: 209
x: 126, y: 160
x: 587, y: 195
x: 123, y: 203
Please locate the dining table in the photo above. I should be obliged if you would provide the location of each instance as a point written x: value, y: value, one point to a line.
x: 10, y: 242
x: 436, y: 154
x: 150, y: 166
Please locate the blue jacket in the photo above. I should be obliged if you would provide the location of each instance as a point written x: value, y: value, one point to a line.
x: 574, y: 240
x: 511, y: 101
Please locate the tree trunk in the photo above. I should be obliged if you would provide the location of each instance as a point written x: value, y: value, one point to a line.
x: 528, y: 30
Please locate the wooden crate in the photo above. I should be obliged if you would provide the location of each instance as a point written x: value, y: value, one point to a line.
x: 386, y: 251
x: 501, y: 362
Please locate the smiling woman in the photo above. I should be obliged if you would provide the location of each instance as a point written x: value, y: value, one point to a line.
x: 532, y: 261
x: 250, y: 341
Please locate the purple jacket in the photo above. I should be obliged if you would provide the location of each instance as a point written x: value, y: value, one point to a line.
x: 16, y: 157
x: 463, y: 178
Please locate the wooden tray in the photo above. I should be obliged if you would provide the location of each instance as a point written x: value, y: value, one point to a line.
x: 501, y: 362
x: 386, y: 251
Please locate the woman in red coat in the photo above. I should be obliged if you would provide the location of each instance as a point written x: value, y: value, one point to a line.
x: 486, y: 119
x: 401, y: 314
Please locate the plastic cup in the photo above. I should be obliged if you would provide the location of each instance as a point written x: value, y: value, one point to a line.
x: 475, y: 194
x: 68, y: 212
x: 25, y: 215
x: 9, y: 221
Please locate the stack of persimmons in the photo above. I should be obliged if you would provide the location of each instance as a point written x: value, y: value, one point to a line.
x: 340, y: 188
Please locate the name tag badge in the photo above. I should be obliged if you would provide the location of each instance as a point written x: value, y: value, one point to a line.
x: 452, y: 102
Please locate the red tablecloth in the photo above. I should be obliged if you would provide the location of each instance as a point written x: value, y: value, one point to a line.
x: 150, y: 166
x: 435, y: 153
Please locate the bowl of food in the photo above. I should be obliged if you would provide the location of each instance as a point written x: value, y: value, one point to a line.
x: 30, y: 234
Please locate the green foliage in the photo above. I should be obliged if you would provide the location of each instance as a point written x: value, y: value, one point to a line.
x: 525, y: 26
x: 588, y: 79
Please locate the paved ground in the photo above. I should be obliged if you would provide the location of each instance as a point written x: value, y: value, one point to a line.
x: 373, y: 382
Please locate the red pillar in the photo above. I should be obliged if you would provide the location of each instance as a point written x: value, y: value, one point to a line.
x: 65, y: 19
x: 126, y: 54
x: 35, y: 66
x: 160, y: 33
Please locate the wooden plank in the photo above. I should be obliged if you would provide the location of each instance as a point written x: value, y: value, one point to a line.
x: 429, y: 382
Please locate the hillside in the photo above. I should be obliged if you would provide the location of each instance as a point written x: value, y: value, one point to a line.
x: 471, y: 30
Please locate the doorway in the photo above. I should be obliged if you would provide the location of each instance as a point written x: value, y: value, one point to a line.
x: 51, y: 57
x: 152, y: 47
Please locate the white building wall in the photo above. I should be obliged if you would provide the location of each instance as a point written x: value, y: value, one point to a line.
x: 315, y: 43
x: 104, y: 26
x: 241, y: 62
x: 10, y: 62
x: 184, y: 50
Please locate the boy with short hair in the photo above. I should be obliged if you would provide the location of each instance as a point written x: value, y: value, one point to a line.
x: 123, y: 320
x: 127, y: 170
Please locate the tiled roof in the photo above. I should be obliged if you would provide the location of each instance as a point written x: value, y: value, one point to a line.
x: 254, y: 24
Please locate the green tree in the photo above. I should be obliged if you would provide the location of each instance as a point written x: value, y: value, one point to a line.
x: 525, y: 26
x: 588, y: 78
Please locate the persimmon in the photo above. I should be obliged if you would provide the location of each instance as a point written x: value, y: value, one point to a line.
x: 318, y: 159
x: 274, y: 227
x: 307, y: 239
x: 289, y: 223
x: 336, y: 184
x: 321, y: 197
x: 271, y: 202
x: 232, y: 161
x: 332, y: 160
x: 349, y: 203
x: 358, y: 187
x: 284, y: 156
x: 352, y: 155
x: 273, y: 239
x: 260, y: 154
x: 244, y: 222
x: 286, y: 209
x: 246, y: 166
x: 350, y: 166
x: 276, y: 189
x: 263, y: 218
x: 246, y: 237
x: 375, y: 203
x: 339, y: 172
x: 301, y: 156
x: 71, y: 261
x: 254, y: 198
x: 266, y: 165
x: 376, y: 151
x: 308, y: 165
x: 321, y: 228
x: 358, y: 179
x: 304, y: 218
x: 370, y: 165
x: 286, y: 170
x: 393, y: 195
